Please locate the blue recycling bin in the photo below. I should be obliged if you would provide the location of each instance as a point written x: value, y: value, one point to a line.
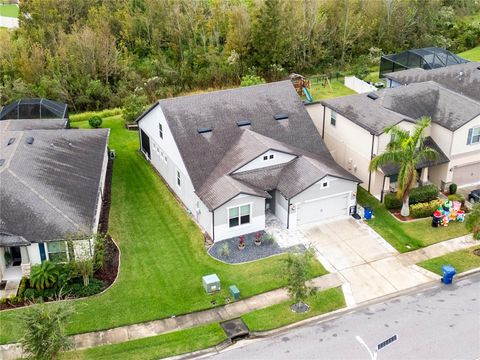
x: 448, y: 272
x: 235, y: 292
x: 367, y: 213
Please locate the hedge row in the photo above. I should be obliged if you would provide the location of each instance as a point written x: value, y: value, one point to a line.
x: 426, y: 209
x: 88, y: 114
x: 417, y: 195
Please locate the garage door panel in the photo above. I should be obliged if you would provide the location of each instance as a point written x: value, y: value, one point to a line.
x: 322, y: 209
x: 465, y: 175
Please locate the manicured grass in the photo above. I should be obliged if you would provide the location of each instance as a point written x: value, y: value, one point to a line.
x: 280, y: 315
x: 9, y: 10
x: 415, y: 234
x: 88, y: 114
x: 461, y: 260
x: 320, y: 92
x: 472, y: 54
x: 163, y: 258
x: 155, y: 347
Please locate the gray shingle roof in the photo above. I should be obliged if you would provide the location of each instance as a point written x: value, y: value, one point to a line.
x: 464, y: 79
x: 392, y: 169
x: 50, y: 188
x: 445, y: 107
x: 211, y: 158
x: 33, y: 124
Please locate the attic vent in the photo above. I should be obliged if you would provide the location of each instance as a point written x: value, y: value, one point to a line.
x: 11, y: 141
x: 2, y: 161
x: 243, y: 123
x: 478, y: 67
x: 203, y: 130
x: 280, y: 116
x: 29, y: 140
x: 372, y: 96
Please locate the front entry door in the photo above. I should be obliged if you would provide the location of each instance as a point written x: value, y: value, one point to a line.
x: 16, y: 255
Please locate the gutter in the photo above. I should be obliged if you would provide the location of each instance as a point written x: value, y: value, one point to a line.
x: 371, y: 157
x: 288, y: 214
x: 213, y: 225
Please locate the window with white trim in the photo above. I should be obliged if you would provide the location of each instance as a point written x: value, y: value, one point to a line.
x: 473, y: 136
x: 179, y: 179
x: 324, y: 184
x: 239, y: 215
x: 57, y: 251
x: 160, y: 130
x: 333, y: 118
x: 271, y: 156
x: 265, y: 157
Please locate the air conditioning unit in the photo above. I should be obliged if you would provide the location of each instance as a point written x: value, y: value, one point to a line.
x: 111, y: 154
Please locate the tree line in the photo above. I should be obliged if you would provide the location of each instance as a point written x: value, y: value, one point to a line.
x: 94, y: 54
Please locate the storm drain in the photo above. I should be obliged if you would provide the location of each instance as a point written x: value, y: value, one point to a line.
x: 235, y: 329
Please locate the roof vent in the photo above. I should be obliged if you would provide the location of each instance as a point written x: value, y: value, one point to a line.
x: 2, y: 161
x: 11, y: 141
x: 372, y: 96
x: 243, y: 123
x: 478, y: 67
x: 29, y: 140
x: 280, y: 116
x: 204, y: 130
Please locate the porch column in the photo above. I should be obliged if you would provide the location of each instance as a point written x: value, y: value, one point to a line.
x: 424, y: 176
x: 25, y: 261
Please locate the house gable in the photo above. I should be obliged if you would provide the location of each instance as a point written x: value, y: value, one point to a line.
x: 270, y: 158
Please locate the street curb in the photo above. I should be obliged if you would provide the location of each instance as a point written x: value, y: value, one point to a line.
x: 319, y: 318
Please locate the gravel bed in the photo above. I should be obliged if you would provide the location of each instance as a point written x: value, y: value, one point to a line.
x: 251, y: 251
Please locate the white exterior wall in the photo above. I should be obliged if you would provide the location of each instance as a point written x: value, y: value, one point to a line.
x: 161, y: 148
x: 281, y: 207
x: 258, y: 163
x: 336, y: 186
x: 315, y: 111
x: 2, y: 262
x: 443, y: 137
x: 257, y: 217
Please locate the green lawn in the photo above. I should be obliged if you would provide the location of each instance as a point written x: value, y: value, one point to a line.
x: 155, y: 347
x: 472, y: 54
x: 9, y: 10
x: 320, y: 92
x: 163, y: 257
x: 461, y: 260
x: 280, y: 315
x: 415, y: 234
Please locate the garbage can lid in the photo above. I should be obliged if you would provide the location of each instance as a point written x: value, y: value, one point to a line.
x: 448, y: 268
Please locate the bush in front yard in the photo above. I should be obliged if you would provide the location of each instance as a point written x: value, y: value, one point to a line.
x: 418, y: 195
x: 457, y: 197
x: 422, y: 210
x: 95, y: 121
x: 452, y: 188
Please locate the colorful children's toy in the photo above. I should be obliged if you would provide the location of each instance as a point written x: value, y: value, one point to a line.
x: 449, y: 211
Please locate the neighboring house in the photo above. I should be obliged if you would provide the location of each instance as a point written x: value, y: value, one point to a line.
x: 232, y: 155
x: 353, y: 128
x: 51, y: 189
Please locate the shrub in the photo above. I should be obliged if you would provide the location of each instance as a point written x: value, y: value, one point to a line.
x: 249, y: 80
x: 426, y: 209
x: 457, y: 197
x: 95, y: 121
x: 472, y: 221
x: 267, y: 238
x: 44, y: 275
x: 77, y: 289
x: 133, y: 107
x: 99, y: 252
x: 22, y: 287
x: 84, y: 116
x: 452, y: 189
x: 417, y: 195
x: 30, y: 294
x: 225, y: 250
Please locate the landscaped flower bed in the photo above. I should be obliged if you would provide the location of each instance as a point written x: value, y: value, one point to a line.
x: 248, y: 247
x: 50, y: 281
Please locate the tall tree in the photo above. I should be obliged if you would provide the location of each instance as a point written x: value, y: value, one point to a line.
x: 406, y: 150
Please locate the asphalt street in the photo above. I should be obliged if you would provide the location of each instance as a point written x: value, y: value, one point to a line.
x: 439, y: 323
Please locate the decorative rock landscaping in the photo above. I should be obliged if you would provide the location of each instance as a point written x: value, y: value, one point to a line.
x: 228, y: 250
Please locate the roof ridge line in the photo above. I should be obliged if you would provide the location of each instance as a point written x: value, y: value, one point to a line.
x: 45, y: 200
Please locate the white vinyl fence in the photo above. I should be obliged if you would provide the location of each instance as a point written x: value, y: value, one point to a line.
x: 357, y: 85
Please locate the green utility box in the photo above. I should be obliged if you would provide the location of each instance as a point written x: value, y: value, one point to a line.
x: 235, y: 292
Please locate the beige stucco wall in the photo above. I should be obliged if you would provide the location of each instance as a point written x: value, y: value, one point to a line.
x: 316, y: 113
x: 459, y: 143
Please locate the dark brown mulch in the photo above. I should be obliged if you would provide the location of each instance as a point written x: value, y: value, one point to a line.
x: 399, y: 216
x: 110, y: 268
x: 107, y: 197
x: 476, y: 252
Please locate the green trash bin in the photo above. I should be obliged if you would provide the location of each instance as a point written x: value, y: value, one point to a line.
x: 235, y: 292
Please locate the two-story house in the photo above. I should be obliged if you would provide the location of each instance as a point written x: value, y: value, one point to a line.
x: 353, y: 128
x: 233, y: 156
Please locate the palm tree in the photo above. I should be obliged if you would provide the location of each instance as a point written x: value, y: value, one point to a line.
x: 406, y: 151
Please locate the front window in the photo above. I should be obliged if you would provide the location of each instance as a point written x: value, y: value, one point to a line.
x: 333, y: 118
x: 160, y: 130
x: 239, y: 215
x: 473, y: 136
x: 57, y: 251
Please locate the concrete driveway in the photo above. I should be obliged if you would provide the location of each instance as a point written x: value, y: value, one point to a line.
x: 369, y: 265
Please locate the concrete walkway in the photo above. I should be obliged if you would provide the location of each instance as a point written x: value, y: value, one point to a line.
x: 369, y: 265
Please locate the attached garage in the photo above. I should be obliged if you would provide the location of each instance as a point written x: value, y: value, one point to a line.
x: 466, y: 175
x: 322, y: 209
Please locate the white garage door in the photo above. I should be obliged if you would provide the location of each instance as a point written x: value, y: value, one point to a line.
x: 465, y: 175
x: 322, y: 209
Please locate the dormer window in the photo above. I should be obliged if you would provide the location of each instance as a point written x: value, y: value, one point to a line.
x: 160, y: 130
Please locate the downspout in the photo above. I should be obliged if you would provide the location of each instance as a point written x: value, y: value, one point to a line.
x: 288, y: 214
x: 323, y: 126
x: 213, y: 225
x: 383, y: 188
x: 371, y: 157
